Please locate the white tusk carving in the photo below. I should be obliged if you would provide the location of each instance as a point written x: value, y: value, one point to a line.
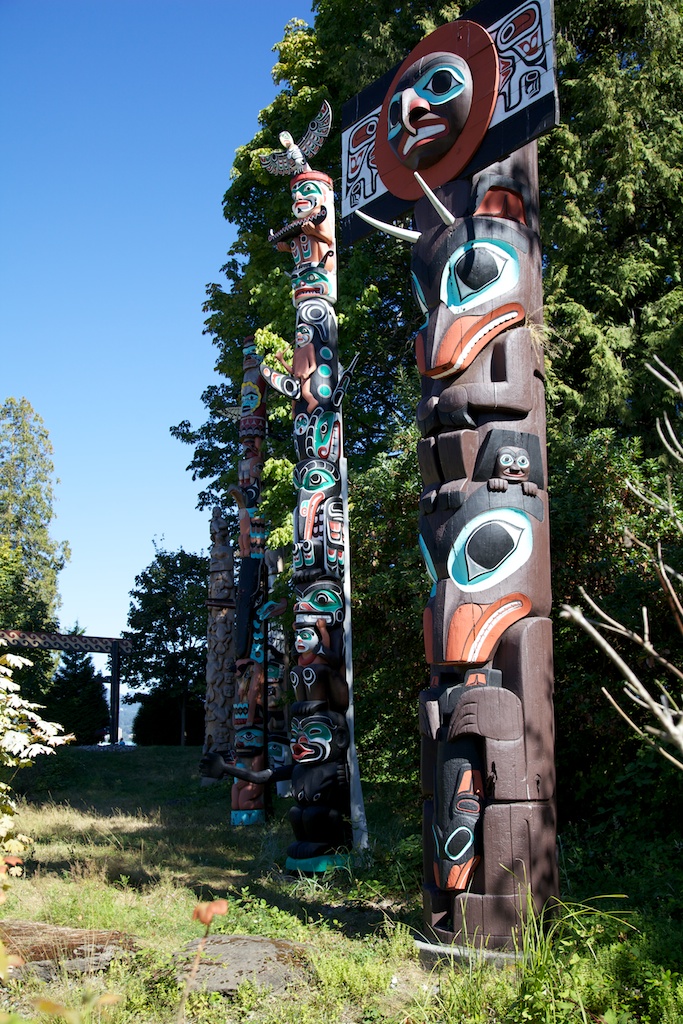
x: 405, y: 234
x: 446, y: 215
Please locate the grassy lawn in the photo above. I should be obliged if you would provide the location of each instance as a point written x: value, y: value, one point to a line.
x: 129, y: 840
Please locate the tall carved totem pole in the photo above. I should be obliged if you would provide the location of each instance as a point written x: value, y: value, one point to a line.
x: 449, y: 133
x: 328, y: 806
x: 327, y: 816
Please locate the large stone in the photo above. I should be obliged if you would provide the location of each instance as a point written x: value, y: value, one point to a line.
x: 228, y: 960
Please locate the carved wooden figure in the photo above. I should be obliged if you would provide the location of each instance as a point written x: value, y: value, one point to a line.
x: 327, y: 816
x: 486, y: 719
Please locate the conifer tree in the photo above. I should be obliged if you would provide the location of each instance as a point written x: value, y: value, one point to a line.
x: 30, y: 560
x: 77, y: 698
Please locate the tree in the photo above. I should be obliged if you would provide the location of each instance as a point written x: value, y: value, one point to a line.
x: 23, y: 736
x: 665, y: 708
x: 167, y: 623
x: 77, y: 697
x: 26, y: 506
x: 612, y: 228
x: 30, y: 560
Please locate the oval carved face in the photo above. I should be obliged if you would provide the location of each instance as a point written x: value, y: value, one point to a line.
x: 513, y: 463
x: 438, y: 108
x: 429, y: 108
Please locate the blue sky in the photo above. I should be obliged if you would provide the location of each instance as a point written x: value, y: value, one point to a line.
x: 119, y: 120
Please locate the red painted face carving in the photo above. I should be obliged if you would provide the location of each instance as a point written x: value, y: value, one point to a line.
x: 438, y: 108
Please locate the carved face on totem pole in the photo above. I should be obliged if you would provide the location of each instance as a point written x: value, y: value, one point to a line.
x: 429, y: 109
x: 513, y: 464
x: 438, y: 108
x: 309, y: 193
x: 313, y: 249
x: 473, y: 282
x: 317, y: 735
x: 322, y: 599
x: 318, y: 436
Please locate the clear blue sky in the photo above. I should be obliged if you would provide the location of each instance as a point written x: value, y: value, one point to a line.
x: 119, y: 120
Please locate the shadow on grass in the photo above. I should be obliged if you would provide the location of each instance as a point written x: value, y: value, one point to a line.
x: 142, y: 813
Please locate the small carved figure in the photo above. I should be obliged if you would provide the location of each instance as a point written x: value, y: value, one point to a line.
x: 512, y: 467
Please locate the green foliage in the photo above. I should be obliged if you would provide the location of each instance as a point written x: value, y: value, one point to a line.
x: 30, y: 559
x: 612, y: 210
x: 77, y: 697
x: 167, y: 628
x: 24, y: 735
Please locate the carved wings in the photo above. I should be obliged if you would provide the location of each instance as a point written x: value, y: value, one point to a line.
x: 293, y: 159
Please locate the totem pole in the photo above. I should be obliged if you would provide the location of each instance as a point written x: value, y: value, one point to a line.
x: 257, y: 709
x: 327, y: 816
x: 468, y: 95
x: 325, y: 776
x: 220, y: 661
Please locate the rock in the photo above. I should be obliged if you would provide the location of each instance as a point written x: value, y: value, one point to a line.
x: 228, y: 960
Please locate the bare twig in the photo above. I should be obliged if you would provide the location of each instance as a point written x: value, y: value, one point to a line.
x: 613, y: 626
x: 670, y: 720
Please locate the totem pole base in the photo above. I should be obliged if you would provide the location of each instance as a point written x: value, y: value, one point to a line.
x: 256, y: 817
x: 435, y: 954
x: 318, y: 865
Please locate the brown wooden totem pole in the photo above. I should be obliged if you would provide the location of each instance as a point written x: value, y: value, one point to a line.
x: 258, y: 730
x: 436, y: 134
x: 327, y: 815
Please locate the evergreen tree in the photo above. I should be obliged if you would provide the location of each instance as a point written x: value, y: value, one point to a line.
x: 30, y: 560
x: 77, y: 697
x: 26, y: 508
x: 167, y: 623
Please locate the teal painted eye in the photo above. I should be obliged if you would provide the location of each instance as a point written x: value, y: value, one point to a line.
x: 478, y: 271
x: 490, y: 548
x: 317, y: 480
x: 325, y: 600
x: 325, y: 390
x: 440, y: 84
x: 308, y: 188
x: 506, y: 460
x: 326, y: 352
x: 523, y: 462
x: 317, y: 731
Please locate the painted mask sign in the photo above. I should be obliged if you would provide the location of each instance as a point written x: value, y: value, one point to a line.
x: 449, y: 134
x: 467, y: 96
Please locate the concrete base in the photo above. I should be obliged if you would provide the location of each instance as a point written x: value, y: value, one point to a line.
x: 435, y: 955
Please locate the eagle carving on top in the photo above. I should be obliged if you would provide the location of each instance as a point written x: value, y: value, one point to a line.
x: 293, y: 159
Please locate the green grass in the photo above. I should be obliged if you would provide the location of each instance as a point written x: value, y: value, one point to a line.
x: 130, y: 841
